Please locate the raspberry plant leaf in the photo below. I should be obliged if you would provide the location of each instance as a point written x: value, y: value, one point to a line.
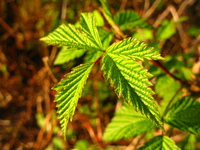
x: 184, y: 115
x: 69, y: 90
x: 133, y: 49
x: 129, y: 78
x: 127, y: 123
x: 160, y: 143
x: 119, y: 64
x: 86, y: 38
x: 130, y: 20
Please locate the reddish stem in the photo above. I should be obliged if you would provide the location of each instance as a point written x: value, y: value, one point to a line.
x: 98, y: 60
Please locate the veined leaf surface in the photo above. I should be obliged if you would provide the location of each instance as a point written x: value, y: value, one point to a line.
x: 86, y: 38
x: 129, y: 20
x: 69, y: 90
x: 184, y: 115
x: 127, y: 123
x: 133, y: 49
x: 160, y: 143
x: 89, y: 28
x: 129, y: 78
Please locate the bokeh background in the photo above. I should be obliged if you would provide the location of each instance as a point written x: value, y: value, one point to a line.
x: 27, y: 73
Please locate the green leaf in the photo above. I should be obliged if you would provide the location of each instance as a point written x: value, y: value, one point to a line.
x: 129, y: 78
x: 126, y: 123
x: 81, y: 145
x: 166, y: 30
x: 65, y: 55
x: 166, y: 90
x: 106, y: 12
x: 144, y: 34
x: 86, y: 38
x: 98, y: 18
x: 69, y: 90
x: 89, y: 27
x: 160, y: 143
x: 133, y: 49
x: 188, y: 142
x: 184, y: 115
x: 128, y: 20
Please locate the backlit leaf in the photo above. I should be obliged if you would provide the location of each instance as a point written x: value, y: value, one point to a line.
x: 69, y: 90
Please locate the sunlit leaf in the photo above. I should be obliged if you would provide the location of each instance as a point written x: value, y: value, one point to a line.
x: 129, y: 78
x: 69, y: 90
x: 127, y: 123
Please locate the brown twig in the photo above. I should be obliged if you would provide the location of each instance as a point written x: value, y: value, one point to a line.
x: 150, y: 11
x: 135, y: 142
x: 45, y: 60
x: 42, y: 131
x: 123, y: 5
x: 96, y: 102
x: 7, y: 27
x: 90, y: 130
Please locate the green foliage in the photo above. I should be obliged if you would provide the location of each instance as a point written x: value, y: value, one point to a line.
x: 160, y: 143
x: 171, y: 86
x: 69, y: 90
x: 81, y: 145
x: 119, y: 64
x: 122, y: 65
x: 106, y: 12
x: 188, y: 142
x: 129, y: 78
x: 166, y: 30
x: 129, y: 20
x: 65, y: 55
x: 86, y: 38
x: 184, y: 115
x: 127, y: 123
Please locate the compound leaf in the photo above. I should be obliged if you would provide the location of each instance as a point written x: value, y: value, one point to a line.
x: 184, y: 115
x: 126, y: 123
x: 129, y: 78
x: 86, y: 37
x: 69, y: 90
x: 160, y: 143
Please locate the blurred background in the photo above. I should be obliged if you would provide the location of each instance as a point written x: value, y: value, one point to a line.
x: 27, y: 73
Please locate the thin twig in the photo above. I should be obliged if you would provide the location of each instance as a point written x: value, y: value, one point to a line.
x: 135, y: 142
x: 151, y: 9
x: 7, y: 27
x: 123, y: 5
x: 90, y: 130
x: 159, y: 65
x: 64, y: 10
x: 42, y: 131
x: 45, y: 60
